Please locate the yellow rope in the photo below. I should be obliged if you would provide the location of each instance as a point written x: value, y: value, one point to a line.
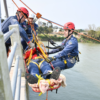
x: 38, y: 57
x: 48, y: 80
x: 35, y: 40
x: 30, y: 56
x: 29, y: 59
x: 37, y: 65
x: 41, y: 63
x: 39, y: 78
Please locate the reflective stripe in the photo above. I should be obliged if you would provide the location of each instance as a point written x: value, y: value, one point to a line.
x: 65, y: 61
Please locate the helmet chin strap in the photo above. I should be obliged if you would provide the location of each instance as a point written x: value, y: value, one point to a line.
x: 20, y: 18
x: 69, y: 33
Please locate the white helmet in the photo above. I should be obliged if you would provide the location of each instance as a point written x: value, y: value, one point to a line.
x: 31, y: 15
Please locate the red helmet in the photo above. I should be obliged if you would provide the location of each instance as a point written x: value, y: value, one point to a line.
x: 69, y: 25
x: 24, y: 10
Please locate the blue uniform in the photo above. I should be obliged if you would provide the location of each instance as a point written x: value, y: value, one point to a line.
x: 5, y: 28
x: 69, y: 52
x: 29, y: 33
x: 11, y: 21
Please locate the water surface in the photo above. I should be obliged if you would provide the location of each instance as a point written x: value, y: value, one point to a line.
x: 83, y: 80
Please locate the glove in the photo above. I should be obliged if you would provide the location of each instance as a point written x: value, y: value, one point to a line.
x: 48, y: 53
x: 38, y: 15
x: 52, y: 42
x: 61, y: 48
x: 31, y: 45
x: 50, y: 59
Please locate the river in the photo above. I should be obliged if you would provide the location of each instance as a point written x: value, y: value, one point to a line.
x: 83, y: 80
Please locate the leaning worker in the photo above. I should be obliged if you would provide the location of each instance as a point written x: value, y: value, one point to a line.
x: 29, y: 31
x: 17, y: 19
x: 64, y: 59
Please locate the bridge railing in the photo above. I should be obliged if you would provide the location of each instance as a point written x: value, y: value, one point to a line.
x: 11, y: 90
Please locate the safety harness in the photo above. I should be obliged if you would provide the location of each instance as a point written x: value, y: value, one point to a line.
x: 61, y: 48
x: 65, y: 62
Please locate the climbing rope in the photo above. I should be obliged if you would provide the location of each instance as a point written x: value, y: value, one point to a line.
x: 34, y: 38
x: 59, y: 24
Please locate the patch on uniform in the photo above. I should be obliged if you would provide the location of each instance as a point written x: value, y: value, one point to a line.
x: 62, y: 43
x: 70, y: 42
x: 24, y: 25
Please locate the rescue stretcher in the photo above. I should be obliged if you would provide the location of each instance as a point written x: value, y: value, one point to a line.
x: 35, y: 87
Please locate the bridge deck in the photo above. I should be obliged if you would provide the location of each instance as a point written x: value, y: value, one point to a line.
x: 23, y: 95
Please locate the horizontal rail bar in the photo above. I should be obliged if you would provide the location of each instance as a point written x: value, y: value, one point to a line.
x: 11, y: 56
x: 17, y: 96
x: 14, y: 78
x: 8, y: 34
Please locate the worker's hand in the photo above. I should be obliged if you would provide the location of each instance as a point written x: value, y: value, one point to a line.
x: 52, y: 42
x: 50, y: 59
x: 31, y: 45
x: 46, y: 52
x: 61, y: 48
x: 38, y: 15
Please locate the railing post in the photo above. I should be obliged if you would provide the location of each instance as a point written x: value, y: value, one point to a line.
x: 5, y: 85
x: 18, y: 90
x: 11, y: 56
x: 15, y: 37
x: 14, y: 78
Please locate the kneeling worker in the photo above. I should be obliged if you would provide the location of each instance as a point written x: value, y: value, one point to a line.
x: 27, y: 27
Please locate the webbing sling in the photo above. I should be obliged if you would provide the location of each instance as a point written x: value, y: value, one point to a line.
x: 37, y: 65
x: 65, y: 62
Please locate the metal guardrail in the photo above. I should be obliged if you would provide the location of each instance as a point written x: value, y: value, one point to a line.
x: 8, y: 34
x: 11, y: 56
x: 17, y: 96
x: 10, y: 60
x: 16, y: 79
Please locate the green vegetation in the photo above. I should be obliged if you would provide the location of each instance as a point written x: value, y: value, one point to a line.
x: 92, y: 32
x: 45, y: 30
x: 54, y: 37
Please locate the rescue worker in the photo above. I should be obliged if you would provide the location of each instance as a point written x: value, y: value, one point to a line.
x: 27, y: 27
x: 17, y: 19
x: 67, y: 57
x: 64, y: 59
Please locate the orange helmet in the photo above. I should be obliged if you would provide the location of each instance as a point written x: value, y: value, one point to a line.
x: 24, y: 10
x: 69, y: 25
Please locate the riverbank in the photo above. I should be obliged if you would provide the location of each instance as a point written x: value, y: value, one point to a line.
x: 57, y: 37
x: 51, y: 36
x: 83, y: 80
x: 86, y: 40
